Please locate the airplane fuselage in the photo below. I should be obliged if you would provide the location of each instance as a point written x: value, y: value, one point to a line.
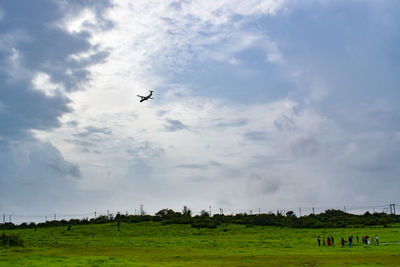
x: 144, y: 98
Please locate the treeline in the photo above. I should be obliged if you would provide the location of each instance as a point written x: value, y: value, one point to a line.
x: 327, y: 219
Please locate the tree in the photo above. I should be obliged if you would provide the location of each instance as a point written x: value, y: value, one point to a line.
x: 204, y: 213
x: 186, y: 212
x: 167, y: 213
x: 290, y: 214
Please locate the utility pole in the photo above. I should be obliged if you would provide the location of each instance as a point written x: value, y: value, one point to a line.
x: 313, y: 211
x: 141, y: 210
x: 95, y: 215
x: 392, y: 209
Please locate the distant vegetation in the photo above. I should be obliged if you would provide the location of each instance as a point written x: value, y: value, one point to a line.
x: 11, y: 240
x: 327, y: 219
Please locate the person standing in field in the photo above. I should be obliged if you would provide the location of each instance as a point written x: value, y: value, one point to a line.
x: 357, y: 238
x: 350, y: 241
x: 376, y: 239
x: 319, y: 241
x: 328, y: 240
x: 343, y: 242
x: 333, y: 241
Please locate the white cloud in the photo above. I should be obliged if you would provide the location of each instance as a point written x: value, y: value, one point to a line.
x: 207, y: 146
x: 170, y: 35
x: 141, y: 154
x: 76, y: 23
x: 41, y: 82
x: 274, y: 55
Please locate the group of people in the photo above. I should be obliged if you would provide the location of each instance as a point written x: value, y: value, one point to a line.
x: 367, y: 241
x: 330, y: 241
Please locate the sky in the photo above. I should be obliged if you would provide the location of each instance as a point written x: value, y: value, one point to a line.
x: 258, y: 104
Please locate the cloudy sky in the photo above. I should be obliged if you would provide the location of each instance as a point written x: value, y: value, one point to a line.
x: 258, y: 104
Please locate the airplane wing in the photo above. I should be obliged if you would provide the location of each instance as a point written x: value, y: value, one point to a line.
x: 141, y: 96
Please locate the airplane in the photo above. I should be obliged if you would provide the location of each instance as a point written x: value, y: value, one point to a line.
x: 144, y: 98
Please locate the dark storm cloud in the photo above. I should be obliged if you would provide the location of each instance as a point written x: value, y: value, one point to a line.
x: 32, y: 43
x: 174, y: 125
x: 27, y: 109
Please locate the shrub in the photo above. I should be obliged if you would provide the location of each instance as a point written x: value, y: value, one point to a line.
x: 204, y: 222
x: 11, y: 240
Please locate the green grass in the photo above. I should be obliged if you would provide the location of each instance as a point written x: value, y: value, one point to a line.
x: 153, y: 244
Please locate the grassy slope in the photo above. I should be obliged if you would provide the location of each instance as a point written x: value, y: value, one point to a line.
x: 180, y: 245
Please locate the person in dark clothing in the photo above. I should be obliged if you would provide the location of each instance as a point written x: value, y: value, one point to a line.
x: 343, y: 242
x: 350, y: 241
x: 333, y: 241
x: 328, y: 240
x: 319, y: 241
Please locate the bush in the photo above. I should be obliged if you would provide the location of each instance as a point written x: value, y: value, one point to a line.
x: 11, y: 240
x: 204, y: 222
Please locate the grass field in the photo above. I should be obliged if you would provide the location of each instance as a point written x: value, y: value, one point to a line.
x: 153, y: 244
